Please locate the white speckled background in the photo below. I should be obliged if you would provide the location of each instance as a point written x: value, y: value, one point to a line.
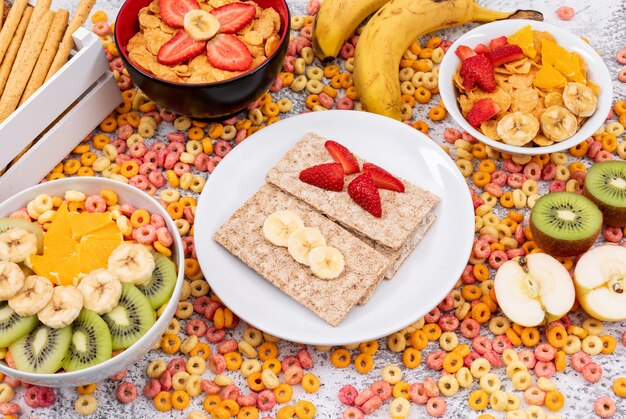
x: 604, y: 24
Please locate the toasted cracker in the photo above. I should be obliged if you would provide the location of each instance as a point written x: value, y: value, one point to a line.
x: 331, y: 300
x: 402, y: 212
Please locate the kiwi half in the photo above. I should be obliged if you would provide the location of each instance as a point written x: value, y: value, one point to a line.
x: 605, y: 185
x: 565, y: 223
x: 91, y: 342
x: 158, y: 289
x: 7, y: 223
x: 42, y: 350
x: 131, y: 319
x: 13, y: 326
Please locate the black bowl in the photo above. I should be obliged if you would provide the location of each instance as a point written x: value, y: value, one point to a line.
x: 206, y: 100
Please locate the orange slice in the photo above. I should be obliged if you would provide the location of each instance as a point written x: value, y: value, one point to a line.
x: 85, y: 223
x: 549, y: 78
x: 526, y: 41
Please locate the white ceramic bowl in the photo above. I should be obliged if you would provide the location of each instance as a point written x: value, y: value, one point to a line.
x: 139, y: 199
x: 597, y: 71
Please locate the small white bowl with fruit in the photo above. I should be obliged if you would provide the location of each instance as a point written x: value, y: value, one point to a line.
x: 525, y: 87
x: 85, y: 266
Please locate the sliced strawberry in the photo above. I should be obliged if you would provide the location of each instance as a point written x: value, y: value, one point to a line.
x: 227, y: 52
x: 481, y: 49
x: 363, y: 191
x: 234, y: 16
x: 382, y: 178
x: 498, y: 42
x: 342, y: 155
x: 505, y: 54
x: 482, y: 110
x: 173, y: 11
x: 478, y: 70
x: 464, y: 52
x: 327, y: 176
x: 179, y: 49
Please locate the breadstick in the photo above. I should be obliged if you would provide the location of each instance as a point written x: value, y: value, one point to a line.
x: 47, y: 54
x: 40, y: 8
x: 1, y: 12
x: 80, y: 16
x: 9, y: 27
x: 14, y: 47
x: 23, y: 66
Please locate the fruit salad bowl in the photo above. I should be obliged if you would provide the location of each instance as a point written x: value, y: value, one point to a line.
x: 483, y: 40
x: 232, y: 90
x: 154, y: 329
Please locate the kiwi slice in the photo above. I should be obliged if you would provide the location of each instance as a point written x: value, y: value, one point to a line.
x: 131, y: 319
x: 91, y: 342
x: 565, y: 223
x: 7, y: 223
x: 160, y: 286
x: 13, y: 326
x: 42, y: 350
x: 605, y: 184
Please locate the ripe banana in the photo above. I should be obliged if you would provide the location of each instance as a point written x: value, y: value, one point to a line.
x: 518, y: 128
x: 33, y: 297
x: 101, y: 290
x: 557, y: 123
x: 580, y: 99
x: 279, y: 225
x: 63, y: 308
x: 336, y: 21
x: 390, y: 32
x: 132, y: 263
x: 11, y: 280
x: 17, y: 244
x: 326, y: 262
x: 301, y: 242
x: 200, y: 24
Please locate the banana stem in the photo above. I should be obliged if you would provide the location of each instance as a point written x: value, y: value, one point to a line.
x: 482, y: 14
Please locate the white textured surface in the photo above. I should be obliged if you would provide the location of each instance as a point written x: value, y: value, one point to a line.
x: 604, y: 24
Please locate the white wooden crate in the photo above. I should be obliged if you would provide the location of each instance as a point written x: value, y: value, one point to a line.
x: 83, y: 89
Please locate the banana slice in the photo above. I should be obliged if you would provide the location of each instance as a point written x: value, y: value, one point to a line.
x: 518, y: 128
x: 63, y: 308
x: 11, y: 280
x: 279, y: 225
x: 200, y: 24
x: 33, y: 297
x: 17, y: 244
x: 101, y: 290
x: 132, y: 263
x: 580, y: 99
x: 302, y: 241
x: 326, y: 262
x: 558, y: 124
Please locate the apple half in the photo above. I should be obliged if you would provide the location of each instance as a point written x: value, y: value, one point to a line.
x: 534, y: 289
x: 600, y: 280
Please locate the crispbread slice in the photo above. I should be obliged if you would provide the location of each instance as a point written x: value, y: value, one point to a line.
x: 331, y: 300
x: 402, y: 212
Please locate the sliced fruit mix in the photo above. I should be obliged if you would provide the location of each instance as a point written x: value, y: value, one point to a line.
x: 524, y: 90
x: 363, y: 189
x: 191, y: 41
x: 72, y: 295
x: 307, y: 245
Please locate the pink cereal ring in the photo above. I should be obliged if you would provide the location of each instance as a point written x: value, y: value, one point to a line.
x: 120, y: 145
x: 534, y: 396
x: 312, y: 7
x: 448, y: 323
x: 603, y: 155
x: 494, y: 189
x: 213, y: 163
x: 594, y: 148
x: 101, y: 28
x: 548, y: 172
x: 305, y: 359
x: 468, y: 137
x: 247, y: 400
x: 209, y: 312
x: 430, y: 387
x: 347, y: 51
x: 126, y: 392
x: 196, y: 327
x: 500, y: 344
x: 229, y: 345
x: 158, y: 146
x: 489, y: 238
x: 447, y: 303
x: 20, y: 213
x: 518, y: 235
x: 230, y: 392
x: 145, y: 234
x: 118, y: 376
x: 445, y: 44
x: 171, y: 159
x: 214, y: 335
x: 200, y: 161
x: 277, y: 85
x: 95, y: 203
x: 176, y: 146
x: 612, y: 234
x: 200, y: 303
x: 481, y: 249
x: 152, y: 388
x: 217, y: 363
x: 181, y: 168
x: 116, y: 65
x: 451, y: 135
x: 307, y: 32
x: 513, y: 253
x: 176, y: 365
x: 579, y: 360
x: 353, y: 413
x: 325, y: 100
x: 138, y: 149
x: 222, y: 148
x: 544, y: 369
x: 497, y: 259
x: 515, y: 180
x: 467, y: 360
x: 31, y: 397
x: 293, y: 375
x: 176, y: 137
x: 266, y: 400
x: 436, y: 407
x: 156, y: 179
x: 468, y: 276
x: 124, y: 131
x: 604, y: 407
x: 493, y: 358
x: 289, y: 64
x: 12, y: 381
x: 532, y: 170
x: 120, y: 159
x: 499, y: 177
x: 565, y: 12
x: 164, y: 236
x: 345, y: 103
x: 383, y: 389
x: 470, y: 328
x: 592, y: 372
x: 9, y: 408
x: 512, y: 167
x: 157, y: 221
x: 417, y: 393
x: 364, y: 396
x: 480, y: 344
x: 209, y: 387
x: 371, y: 405
x: 433, y: 316
x: 545, y: 352
x: 556, y: 186
x: 124, y: 83
x: 527, y: 356
x: 347, y: 394
x: 188, y: 214
x: 148, y: 167
x: 620, y: 56
x: 167, y: 115
x: 289, y: 361
x: 434, y: 360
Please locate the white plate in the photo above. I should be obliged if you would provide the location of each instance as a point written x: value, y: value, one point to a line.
x: 597, y: 72
x: 425, y: 277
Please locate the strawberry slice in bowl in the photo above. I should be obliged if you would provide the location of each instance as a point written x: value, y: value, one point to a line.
x: 363, y: 191
x: 342, y: 155
x: 173, y: 11
x: 327, y: 176
x: 179, y: 49
x: 227, y: 52
x: 382, y: 178
x: 483, y: 110
x: 234, y: 16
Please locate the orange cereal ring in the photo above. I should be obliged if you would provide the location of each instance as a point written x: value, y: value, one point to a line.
x: 85, y: 171
x: 351, y: 93
x: 109, y: 124
x: 620, y: 107
x: 268, y: 350
x: 175, y: 210
x: 437, y: 113
x: 363, y: 363
x: 471, y: 292
x: 330, y: 91
x: 287, y: 78
x: 421, y: 126
x: 129, y: 169
x: 513, y: 337
x: 557, y: 336
x: 530, y: 336
x: 255, y: 382
x: 579, y: 150
x: 312, y: 101
x: 100, y: 140
x: 419, y: 340
x: 340, y: 358
x: 432, y: 331
x: 195, y: 133
x: 162, y: 401
x: 479, y: 151
x: 270, y: 109
x: 346, y: 80
x: 407, y: 100
x: 422, y: 95
x: 481, y: 178
x: 331, y: 70
x: 87, y: 158
x: 133, y: 119
x: 411, y: 357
